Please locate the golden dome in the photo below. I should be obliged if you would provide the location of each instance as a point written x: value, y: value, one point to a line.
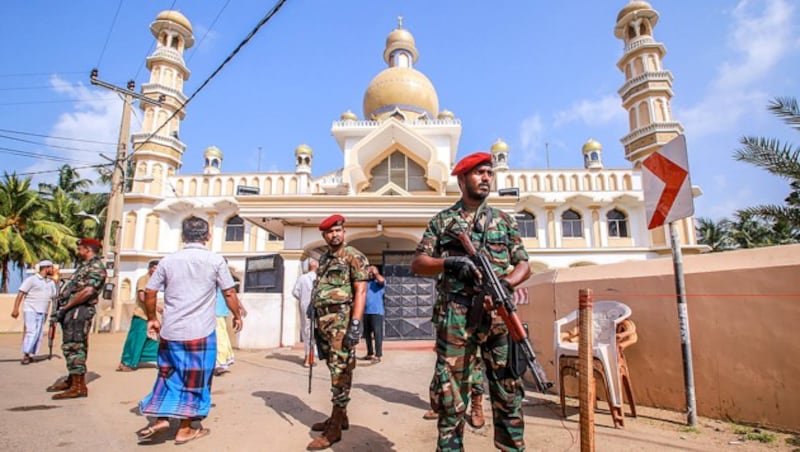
x: 400, y: 38
x: 499, y: 146
x: 176, y: 17
x: 304, y: 149
x: 634, y: 5
x: 446, y: 114
x: 348, y: 116
x: 403, y: 88
x: 592, y: 145
x: 212, y: 151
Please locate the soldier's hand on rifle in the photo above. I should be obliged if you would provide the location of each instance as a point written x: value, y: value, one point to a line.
x: 507, y: 285
x: 353, y: 335
x: 60, y: 314
x: 462, y: 268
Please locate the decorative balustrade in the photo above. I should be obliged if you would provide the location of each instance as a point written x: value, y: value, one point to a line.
x: 650, y: 76
x: 638, y: 42
x: 163, y: 89
x: 672, y: 126
x: 364, y: 124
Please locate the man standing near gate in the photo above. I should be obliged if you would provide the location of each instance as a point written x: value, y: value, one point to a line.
x: 373, y: 315
x: 339, y: 301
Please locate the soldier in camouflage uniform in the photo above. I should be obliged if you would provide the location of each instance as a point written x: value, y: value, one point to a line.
x: 338, y: 297
x: 76, y: 308
x: 463, y: 324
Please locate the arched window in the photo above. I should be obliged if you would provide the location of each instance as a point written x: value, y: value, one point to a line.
x: 400, y: 170
x: 571, y: 224
x: 234, y: 230
x: 617, y: 223
x: 527, y: 224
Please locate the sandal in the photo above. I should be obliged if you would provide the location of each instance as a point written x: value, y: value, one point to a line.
x: 147, y: 433
x: 199, y: 433
x: 124, y: 368
x: 26, y: 360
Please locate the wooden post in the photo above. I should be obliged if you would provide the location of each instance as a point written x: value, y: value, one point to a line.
x: 586, y: 387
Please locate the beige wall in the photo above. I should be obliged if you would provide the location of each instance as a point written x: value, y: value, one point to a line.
x: 744, y: 312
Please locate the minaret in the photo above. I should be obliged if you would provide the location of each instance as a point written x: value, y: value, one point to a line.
x: 500, y: 155
x: 161, y: 155
x: 647, y: 90
x: 212, y: 160
x: 592, y: 155
x: 303, y: 156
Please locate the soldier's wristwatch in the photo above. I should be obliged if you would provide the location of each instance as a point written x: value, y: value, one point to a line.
x: 355, y: 322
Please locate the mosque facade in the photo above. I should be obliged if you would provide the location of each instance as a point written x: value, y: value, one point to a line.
x: 395, y: 175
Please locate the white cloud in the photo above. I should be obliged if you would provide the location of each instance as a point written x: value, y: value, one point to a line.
x: 530, y: 136
x: 760, y: 37
x: 597, y: 112
x: 95, y: 116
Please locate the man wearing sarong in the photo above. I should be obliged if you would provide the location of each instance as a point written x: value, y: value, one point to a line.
x: 76, y: 308
x: 138, y: 347
x: 302, y: 291
x: 37, y: 291
x: 339, y: 299
x: 187, y: 349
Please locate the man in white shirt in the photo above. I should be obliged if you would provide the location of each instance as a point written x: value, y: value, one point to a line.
x: 37, y: 291
x: 302, y: 291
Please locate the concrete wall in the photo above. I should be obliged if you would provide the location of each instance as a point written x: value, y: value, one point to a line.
x: 744, y: 314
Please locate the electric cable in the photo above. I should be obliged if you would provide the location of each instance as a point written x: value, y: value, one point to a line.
x: 208, y: 30
x: 18, y: 132
x: 54, y: 146
x: 33, y: 173
x: 108, y: 36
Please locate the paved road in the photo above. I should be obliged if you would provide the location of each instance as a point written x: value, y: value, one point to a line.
x: 263, y: 405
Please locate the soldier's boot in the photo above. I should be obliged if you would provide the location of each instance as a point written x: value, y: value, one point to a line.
x: 430, y: 415
x: 476, y: 411
x: 61, y: 385
x: 78, y: 389
x: 321, y: 426
x: 332, y: 433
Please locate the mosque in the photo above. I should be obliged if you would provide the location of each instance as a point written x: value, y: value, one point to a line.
x: 395, y: 175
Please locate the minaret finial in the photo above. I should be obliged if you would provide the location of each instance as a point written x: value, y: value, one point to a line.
x: 399, y: 22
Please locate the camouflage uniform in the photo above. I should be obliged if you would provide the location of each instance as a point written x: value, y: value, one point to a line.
x: 457, y: 342
x: 333, y: 300
x: 78, y: 320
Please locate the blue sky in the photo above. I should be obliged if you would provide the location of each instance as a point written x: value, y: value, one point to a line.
x: 529, y: 72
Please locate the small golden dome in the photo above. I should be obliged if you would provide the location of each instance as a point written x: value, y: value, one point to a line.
x: 499, y: 146
x: 304, y: 149
x: 176, y: 17
x: 400, y: 38
x: 446, y: 114
x: 403, y: 88
x: 592, y: 145
x: 212, y: 151
x: 348, y: 116
x: 634, y: 5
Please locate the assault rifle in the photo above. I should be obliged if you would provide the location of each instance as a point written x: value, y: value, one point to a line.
x: 505, y: 307
x: 312, y: 343
x: 51, y: 332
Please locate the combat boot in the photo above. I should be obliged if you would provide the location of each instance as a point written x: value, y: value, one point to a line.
x: 332, y: 433
x: 78, y: 389
x: 321, y: 426
x: 476, y: 411
x: 61, y: 385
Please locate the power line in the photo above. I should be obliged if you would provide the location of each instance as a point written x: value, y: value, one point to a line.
x: 33, y: 173
x: 54, y: 146
x: 37, y: 155
x: 39, y: 74
x: 108, y: 36
x: 21, y: 88
x: 55, y: 137
x: 274, y: 10
x: 33, y: 102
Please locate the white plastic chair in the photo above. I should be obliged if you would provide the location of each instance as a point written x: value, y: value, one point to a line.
x: 606, y: 315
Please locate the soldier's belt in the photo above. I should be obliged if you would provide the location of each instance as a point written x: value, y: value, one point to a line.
x: 333, y: 308
x: 458, y: 298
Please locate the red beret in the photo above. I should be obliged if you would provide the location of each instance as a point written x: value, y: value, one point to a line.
x: 471, y: 161
x: 331, y: 221
x: 91, y: 242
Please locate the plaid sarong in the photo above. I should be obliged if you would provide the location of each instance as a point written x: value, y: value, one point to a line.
x: 183, y: 386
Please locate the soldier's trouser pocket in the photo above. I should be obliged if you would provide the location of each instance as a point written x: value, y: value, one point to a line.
x: 77, y: 323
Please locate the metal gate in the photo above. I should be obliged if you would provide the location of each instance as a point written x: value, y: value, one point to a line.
x: 408, y: 299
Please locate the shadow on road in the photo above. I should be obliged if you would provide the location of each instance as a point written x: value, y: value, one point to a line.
x: 393, y: 395
x: 288, y: 358
x: 290, y: 407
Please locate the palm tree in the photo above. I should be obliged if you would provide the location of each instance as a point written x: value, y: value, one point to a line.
x: 714, y: 234
x: 69, y: 181
x: 26, y: 234
x: 780, y: 159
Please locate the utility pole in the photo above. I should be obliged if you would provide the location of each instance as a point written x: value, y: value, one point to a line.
x: 113, y: 226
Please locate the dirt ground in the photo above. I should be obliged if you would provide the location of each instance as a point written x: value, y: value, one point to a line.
x: 263, y: 405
